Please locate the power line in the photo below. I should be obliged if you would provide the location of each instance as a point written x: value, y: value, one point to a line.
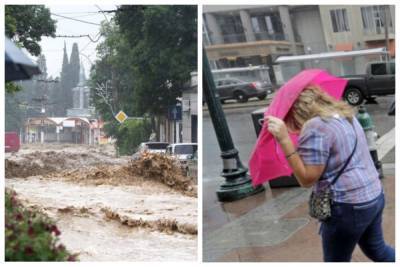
x: 79, y: 20
x: 82, y: 12
x: 80, y: 36
x: 89, y: 42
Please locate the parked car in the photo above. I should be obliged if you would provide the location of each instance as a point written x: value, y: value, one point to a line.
x: 182, y: 151
x: 152, y: 147
x: 378, y: 80
x: 12, y: 143
x: 232, y: 88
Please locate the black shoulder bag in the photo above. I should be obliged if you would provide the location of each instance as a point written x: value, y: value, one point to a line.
x: 320, y: 201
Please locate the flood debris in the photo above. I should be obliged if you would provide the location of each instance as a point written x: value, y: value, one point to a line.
x: 163, y: 224
x: 148, y: 202
x: 91, y: 168
x: 165, y: 169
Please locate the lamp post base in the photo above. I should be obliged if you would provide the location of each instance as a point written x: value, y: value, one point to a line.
x: 237, y: 189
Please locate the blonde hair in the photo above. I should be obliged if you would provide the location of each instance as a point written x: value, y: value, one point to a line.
x: 313, y: 102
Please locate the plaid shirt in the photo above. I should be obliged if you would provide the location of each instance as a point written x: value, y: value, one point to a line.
x: 330, y: 142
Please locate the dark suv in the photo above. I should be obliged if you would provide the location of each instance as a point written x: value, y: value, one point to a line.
x: 232, y: 88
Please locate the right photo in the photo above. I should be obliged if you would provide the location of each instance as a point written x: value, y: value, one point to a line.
x: 298, y: 133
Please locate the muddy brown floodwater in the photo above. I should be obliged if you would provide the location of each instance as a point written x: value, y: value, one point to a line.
x: 138, y: 219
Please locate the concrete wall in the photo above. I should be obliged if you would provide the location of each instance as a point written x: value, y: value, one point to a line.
x: 356, y: 33
x: 189, y: 108
x: 308, y: 26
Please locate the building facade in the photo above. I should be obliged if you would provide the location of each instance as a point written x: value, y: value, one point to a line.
x: 242, y: 36
x: 189, y: 111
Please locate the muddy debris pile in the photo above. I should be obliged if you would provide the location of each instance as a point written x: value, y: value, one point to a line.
x: 101, y: 174
x: 36, y: 163
x: 162, y: 224
x: 47, y: 162
x: 149, y: 168
x: 162, y: 168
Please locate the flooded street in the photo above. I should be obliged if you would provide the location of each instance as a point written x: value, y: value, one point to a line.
x: 103, y: 211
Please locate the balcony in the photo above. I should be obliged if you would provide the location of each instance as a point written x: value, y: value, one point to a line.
x: 212, y: 39
x: 377, y: 34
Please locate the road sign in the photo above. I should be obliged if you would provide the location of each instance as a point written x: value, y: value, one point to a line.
x: 121, y: 116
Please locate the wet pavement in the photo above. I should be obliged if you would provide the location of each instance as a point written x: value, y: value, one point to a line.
x: 274, y: 225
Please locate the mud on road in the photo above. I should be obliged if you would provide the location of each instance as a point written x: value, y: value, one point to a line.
x: 109, y: 208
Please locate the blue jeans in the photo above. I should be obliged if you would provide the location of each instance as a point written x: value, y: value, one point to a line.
x: 353, y: 224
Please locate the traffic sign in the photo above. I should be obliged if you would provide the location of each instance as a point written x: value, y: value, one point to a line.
x: 121, y: 116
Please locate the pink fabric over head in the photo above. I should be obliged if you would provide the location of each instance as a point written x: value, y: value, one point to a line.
x: 268, y: 161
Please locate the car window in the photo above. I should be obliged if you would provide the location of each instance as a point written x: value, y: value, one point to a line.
x: 157, y: 145
x: 185, y: 149
x: 392, y: 68
x: 378, y: 69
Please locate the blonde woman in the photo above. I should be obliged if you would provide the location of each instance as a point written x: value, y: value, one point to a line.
x: 328, y: 134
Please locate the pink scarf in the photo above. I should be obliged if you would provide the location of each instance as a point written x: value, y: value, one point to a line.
x: 268, y: 161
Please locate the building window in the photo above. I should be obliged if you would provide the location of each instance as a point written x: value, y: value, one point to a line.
x: 255, y: 24
x: 231, y: 28
x: 373, y: 18
x: 267, y: 27
x: 340, y: 22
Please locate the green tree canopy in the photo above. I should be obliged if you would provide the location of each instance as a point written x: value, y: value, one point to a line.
x: 26, y: 24
x: 144, y: 63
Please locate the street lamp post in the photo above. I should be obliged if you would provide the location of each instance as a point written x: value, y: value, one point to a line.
x: 237, y: 183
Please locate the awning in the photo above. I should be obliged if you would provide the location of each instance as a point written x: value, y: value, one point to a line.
x: 327, y: 55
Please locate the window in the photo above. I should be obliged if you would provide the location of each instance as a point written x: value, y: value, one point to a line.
x: 392, y: 68
x: 378, y: 69
x: 270, y: 26
x: 373, y: 18
x: 340, y: 22
x: 255, y: 24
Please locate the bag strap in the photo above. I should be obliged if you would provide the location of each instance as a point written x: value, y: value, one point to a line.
x: 348, y: 160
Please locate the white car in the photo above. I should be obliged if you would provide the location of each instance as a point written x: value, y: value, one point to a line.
x: 182, y: 151
x: 152, y: 147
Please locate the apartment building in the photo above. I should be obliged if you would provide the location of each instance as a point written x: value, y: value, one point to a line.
x: 239, y: 36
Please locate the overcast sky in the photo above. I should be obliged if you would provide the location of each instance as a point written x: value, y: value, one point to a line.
x: 52, y: 48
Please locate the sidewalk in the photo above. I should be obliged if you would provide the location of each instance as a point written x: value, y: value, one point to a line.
x: 275, y: 226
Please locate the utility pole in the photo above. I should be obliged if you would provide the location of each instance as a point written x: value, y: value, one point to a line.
x: 386, y: 27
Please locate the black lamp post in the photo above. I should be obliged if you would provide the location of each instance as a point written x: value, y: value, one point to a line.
x: 237, y: 183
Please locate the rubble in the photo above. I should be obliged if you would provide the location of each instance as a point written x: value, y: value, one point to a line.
x: 163, y: 224
x: 93, y: 168
x: 165, y: 169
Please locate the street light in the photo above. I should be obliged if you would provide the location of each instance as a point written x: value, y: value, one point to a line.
x: 237, y: 183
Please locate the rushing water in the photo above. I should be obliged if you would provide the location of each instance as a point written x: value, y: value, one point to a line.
x: 79, y: 213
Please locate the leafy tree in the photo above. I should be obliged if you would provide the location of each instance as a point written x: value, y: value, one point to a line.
x: 164, y: 52
x: 26, y: 24
x: 144, y: 62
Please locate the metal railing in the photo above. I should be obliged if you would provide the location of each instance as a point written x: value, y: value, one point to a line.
x: 213, y: 39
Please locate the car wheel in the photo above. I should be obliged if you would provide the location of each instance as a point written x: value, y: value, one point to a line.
x: 262, y: 97
x: 240, y: 97
x: 353, y: 96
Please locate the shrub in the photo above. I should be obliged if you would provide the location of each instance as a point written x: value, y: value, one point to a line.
x: 129, y: 134
x: 30, y: 235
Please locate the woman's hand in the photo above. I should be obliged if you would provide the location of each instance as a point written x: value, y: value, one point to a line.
x: 277, y: 128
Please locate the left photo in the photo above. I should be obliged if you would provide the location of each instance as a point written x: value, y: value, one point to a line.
x: 101, y: 133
